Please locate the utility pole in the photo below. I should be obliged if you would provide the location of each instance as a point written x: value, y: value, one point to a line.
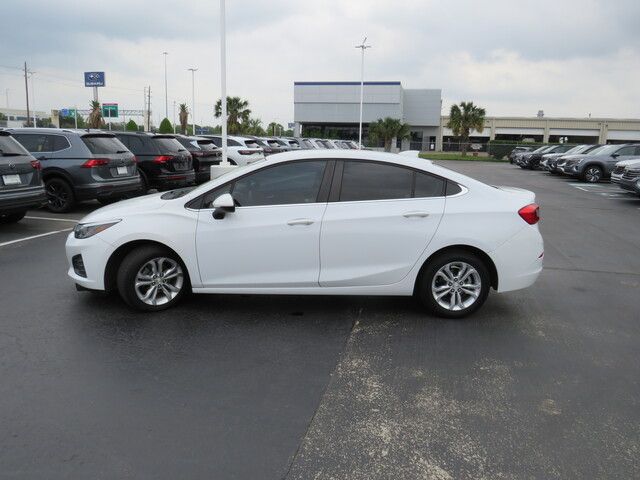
x: 149, y: 107
x: 6, y: 92
x: 26, y: 91
x: 166, y: 95
x: 223, y: 82
x: 193, y: 100
x: 33, y: 97
x: 363, y: 47
x: 174, y: 116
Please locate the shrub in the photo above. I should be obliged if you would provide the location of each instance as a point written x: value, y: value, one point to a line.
x: 165, y: 126
x: 131, y: 126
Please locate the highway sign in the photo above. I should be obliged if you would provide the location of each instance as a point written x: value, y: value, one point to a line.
x: 110, y: 110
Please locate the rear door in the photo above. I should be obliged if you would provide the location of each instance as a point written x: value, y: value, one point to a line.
x: 379, y: 220
x: 109, y: 157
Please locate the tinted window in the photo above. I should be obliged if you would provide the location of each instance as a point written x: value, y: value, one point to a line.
x: 297, y: 182
x: 103, y: 145
x: 10, y: 146
x: 34, y: 143
x: 168, y: 144
x: 428, y: 186
x: 453, y: 188
x: 207, y: 145
x: 373, y: 181
x: 230, y: 143
x: 630, y: 150
x: 136, y: 144
x: 60, y: 143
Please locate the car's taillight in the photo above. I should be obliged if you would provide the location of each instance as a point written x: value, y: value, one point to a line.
x: 530, y: 213
x: 246, y: 152
x: 162, y: 159
x: 36, y: 164
x: 95, y: 162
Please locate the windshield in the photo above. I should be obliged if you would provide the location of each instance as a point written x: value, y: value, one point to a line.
x: 10, y: 147
x: 104, y: 144
x: 604, y: 150
x: 541, y: 149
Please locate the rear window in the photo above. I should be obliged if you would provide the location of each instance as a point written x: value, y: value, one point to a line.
x: 10, y: 146
x: 252, y: 143
x: 207, y: 145
x: 230, y: 143
x: 168, y: 144
x: 104, y: 145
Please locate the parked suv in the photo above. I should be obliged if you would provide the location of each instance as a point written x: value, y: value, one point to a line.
x: 80, y: 165
x: 163, y: 162
x: 630, y: 178
x: 204, y: 153
x: 20, y: 183
x: 532, y: 162
x: 599, y: 163
x: 549, y: 161
x: 238, y: 151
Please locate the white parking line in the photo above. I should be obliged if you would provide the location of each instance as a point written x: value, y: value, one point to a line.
x: 35, y: 236
x: 53, y: 219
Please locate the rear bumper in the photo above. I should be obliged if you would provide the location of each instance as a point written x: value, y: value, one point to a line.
x: 22, y: 199
x: 173, y: 180
x: 519, y: 260
x: 129, y: 186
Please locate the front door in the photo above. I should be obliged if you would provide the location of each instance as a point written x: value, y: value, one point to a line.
x: 272, y: 239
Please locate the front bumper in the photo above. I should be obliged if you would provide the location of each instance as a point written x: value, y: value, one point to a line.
x: 632, y: 185
x: 95, y: 253
x: 22, y: 199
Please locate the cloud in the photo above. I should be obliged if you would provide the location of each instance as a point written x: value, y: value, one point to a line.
x: 568, y: 58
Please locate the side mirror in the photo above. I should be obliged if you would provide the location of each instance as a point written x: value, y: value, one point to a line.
x: 615, y: 155
x: 222, y: 205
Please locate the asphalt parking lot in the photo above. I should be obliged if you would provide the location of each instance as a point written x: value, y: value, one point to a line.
x: 540, y: 383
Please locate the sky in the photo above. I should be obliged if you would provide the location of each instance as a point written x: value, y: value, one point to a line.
x: 512, y: 57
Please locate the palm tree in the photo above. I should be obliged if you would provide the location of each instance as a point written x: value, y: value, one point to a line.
x: 237, y: 113
x: 387, y: 129
x: 464, y: 118
x: 254, y: 127
x: 275, y: 129
x: 95, y: 116
x: 184, y: 118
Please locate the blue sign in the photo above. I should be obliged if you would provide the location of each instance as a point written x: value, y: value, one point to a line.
x: 94, y: 79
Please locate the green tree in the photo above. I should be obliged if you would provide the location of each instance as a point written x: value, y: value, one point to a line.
x: 95, y: 116
x: 165, y: 126
x: 275, y: 129
x: 462, y: 119
x: 238, y: 112
x: 184, y: 118
x: 131, y: 126
x: 387, y: 129
x: 254, y: 127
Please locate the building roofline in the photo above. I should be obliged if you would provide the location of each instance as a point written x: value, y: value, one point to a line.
x: 345, y: 83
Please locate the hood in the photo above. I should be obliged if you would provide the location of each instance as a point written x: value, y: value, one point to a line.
x: 624, y: 163
x: 138, y: 205
x: 553, y: 155
x: 576, y: 156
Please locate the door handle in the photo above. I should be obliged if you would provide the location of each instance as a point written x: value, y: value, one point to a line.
x: 300, y: 221
x: 42, y: 157
x: 415, y: 214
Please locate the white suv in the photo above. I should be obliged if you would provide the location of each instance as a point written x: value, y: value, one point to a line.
x: 240, y: 150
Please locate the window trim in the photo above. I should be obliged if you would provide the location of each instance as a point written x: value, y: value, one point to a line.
x: 323, y: 190
x: 336, y: 187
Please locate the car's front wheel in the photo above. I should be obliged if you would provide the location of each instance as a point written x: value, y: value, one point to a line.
x: 592, y: 174
x: 151, y: 278
x: 454, y: 284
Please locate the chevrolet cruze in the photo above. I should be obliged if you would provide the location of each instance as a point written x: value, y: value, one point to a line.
x: 316, y: 222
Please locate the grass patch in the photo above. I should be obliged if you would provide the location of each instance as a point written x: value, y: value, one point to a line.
x: 457, y: 156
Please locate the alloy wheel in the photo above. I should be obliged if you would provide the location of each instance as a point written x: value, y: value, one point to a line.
x: 592, y: 174
x: 456, y: 286
x: 57, y: 196
x: 159, y: 281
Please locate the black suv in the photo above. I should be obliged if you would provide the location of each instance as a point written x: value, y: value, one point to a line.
x: 163, y: 162
x: 20, y: 183
x: 204, y: 153
x: 80, y: 165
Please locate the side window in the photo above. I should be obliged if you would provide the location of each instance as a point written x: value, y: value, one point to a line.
x: 452, y: 188
x: 34, y: 143
x: 209, y: 198
x: 374, y: 181
x: 637, y: 150
x: 124, y: 139
x: 59, y: 143
x: 297, y: 182
x: 136, y: 144
x: 428, y: 186
x: 629, y: 150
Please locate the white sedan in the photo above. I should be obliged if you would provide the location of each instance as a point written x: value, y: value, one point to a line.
x: 316, y: 222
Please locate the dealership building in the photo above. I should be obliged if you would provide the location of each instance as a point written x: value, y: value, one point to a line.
x: 332, y: 110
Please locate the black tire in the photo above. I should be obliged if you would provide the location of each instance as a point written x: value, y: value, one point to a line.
x: 60, y: 197
x: 144, y: 183
x: 12, y: 217
x: 129, y: 269
x: 425, y: 293
x: 592, y: 174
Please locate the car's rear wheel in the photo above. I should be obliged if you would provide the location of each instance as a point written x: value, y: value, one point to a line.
x: 60, y: 198
x: 151, y: 278
x: 12, y: 217
x: 454, y: 284
x: 592, y: 174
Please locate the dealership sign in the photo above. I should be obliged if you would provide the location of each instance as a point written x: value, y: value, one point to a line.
x: 94, y: 79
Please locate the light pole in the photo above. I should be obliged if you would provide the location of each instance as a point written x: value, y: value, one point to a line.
x: 174, y: 116
x: 193, y: 99
x: 6, y: 92
x: 166, y: 95
x: 363, y: 47
x: 223, y: 81
x: 33, y: 97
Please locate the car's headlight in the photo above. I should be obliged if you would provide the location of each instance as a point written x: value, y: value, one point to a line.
x: 86, y: 230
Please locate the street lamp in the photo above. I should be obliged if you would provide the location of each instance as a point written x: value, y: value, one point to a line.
x: 166, y: 95
x: 223, y: 81
x: 193, y: 99
x: 363, y: 47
